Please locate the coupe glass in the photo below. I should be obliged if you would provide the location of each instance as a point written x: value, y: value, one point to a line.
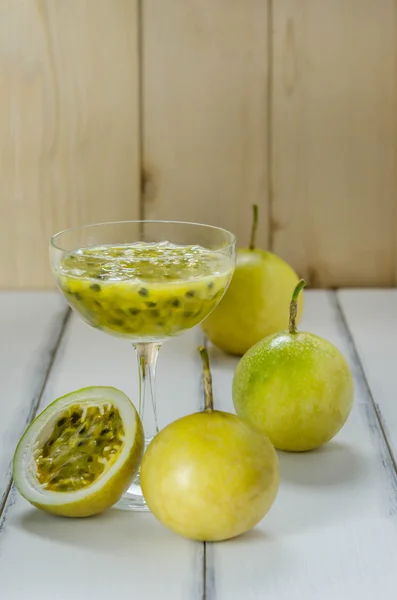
x: 144, y: 281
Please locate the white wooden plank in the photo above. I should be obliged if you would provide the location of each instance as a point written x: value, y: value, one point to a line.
x: 371, y: 317
x: 117, y: 554
x: 332, y: 531
x: 30, y: 325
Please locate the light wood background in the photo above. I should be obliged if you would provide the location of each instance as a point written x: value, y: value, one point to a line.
x: 194, y: 110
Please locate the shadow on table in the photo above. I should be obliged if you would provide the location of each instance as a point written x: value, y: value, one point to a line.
x: 319, y: 489
x: 333, y: 464
x: 117, y: 533
x: 113, y: 532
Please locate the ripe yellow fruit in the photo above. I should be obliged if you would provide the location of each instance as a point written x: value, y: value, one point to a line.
x: 256, y: 302
x: 209, y: 476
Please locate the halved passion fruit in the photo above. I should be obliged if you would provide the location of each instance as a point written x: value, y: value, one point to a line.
x: 81, y: 453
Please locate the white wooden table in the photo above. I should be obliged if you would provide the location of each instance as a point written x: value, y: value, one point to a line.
x: 332, y: 533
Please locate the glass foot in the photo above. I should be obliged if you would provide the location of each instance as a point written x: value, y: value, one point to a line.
x: 133, y: 498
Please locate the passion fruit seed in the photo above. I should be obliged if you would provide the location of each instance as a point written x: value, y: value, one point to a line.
x: 75, y: 418
x: 117, y: 322
x: 80, y: 448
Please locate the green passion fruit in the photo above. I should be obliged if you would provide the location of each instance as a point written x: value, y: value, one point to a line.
x: 295, y: 387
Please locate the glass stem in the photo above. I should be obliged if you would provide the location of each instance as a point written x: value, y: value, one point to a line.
x: 147, y: 359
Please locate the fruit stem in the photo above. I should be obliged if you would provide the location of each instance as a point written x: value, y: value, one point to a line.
x: 254, y: 226
x: 293, y: 307
x: 207, y: 380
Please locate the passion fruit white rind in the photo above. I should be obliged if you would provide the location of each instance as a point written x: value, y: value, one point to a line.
x: 70, y: 435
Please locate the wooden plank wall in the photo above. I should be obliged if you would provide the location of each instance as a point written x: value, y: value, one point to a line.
x: 69, y: 125
x: 334, y: 139
x: 194, y: 110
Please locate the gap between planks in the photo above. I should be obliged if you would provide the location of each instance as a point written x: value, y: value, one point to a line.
x: 53, y: 347
x: 269, y: 126
x: 207, y: 592
x: 208, y: 572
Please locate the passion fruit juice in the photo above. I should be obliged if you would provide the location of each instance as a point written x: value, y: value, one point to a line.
x: 144, y: 291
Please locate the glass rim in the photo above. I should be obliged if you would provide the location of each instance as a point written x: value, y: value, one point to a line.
x: 142, y: 221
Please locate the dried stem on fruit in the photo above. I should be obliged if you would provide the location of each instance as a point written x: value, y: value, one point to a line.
x: 254, y: 226
x: 207, y: 380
